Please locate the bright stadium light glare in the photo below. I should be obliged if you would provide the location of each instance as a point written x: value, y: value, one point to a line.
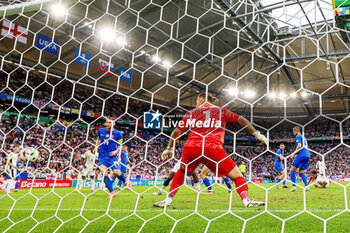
x: 121, y: 41
x: 232, y: 91
x: 304, y: 94
x: 272, y: 95
x: 156, y: 58
x: 249, y: 93
x: 167, y: 64
x: 282, y: 95
x: 293, y: 95
x: 107, y: 34
x: 58, y: 10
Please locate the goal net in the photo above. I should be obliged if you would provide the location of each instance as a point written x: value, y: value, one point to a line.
x: 68, y: 66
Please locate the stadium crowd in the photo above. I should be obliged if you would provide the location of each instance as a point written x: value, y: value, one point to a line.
x: 61, y: 148
x: 61, y: 151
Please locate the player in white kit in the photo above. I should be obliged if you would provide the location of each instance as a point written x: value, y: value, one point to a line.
x: 12, y: 170
x: 321, y: 180
x: 88, y: 170
x: 321, y: 166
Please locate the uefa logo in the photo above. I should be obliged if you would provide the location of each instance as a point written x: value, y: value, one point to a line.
x: 152, y: 120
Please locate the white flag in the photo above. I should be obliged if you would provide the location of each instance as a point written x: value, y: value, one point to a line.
x: 13, y: 31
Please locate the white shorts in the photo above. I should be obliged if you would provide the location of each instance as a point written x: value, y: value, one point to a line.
x: 88, y: 172
x: 176, y: 167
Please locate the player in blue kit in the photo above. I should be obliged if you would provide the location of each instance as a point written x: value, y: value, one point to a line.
x: 107, y: 143
x: 279, y: 166
x: 124, y: 161
x: 302, y: 157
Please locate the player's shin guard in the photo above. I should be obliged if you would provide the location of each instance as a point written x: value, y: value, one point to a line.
x: 206, y: 181
x: 177, y: 182
x: 109, y: 183
x: 228, y: 183
x: 303, y: 177
x: 16, y: 185
x: 293, y: 177
x: 242, y: 187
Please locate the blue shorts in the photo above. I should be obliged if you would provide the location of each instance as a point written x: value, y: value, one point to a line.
x: 108, y: 162
x: 301, y: 162
x: 279, y: 168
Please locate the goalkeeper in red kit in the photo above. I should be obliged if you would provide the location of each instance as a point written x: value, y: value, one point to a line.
x: 204, y: 144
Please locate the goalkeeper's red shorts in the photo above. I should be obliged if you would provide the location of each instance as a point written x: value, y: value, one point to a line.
x: 215, y: 159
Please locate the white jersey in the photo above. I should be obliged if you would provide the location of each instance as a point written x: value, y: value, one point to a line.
x: 321, y: 179
x: 12, y: 158
x: 90, y: 159
x: 321, y: 166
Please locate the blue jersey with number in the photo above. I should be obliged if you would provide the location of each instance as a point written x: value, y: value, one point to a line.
x: 278, y: 161
x: 304, y: 152
x: 108, y: 141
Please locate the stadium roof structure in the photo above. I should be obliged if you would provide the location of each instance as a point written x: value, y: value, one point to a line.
x: 174, y: 48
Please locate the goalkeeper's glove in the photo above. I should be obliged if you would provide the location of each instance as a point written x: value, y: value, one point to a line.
x: 260, y: 137
x: 168, y: 153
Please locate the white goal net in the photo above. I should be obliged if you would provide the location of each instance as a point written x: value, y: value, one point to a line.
x: 67, y: 66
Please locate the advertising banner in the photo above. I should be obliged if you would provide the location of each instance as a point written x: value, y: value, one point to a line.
x: 26, y: 184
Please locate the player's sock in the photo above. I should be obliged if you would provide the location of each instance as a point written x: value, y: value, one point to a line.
x: 228, y: 183
x: 293, y: 177
x: 243, y: 187
x: 122, y: 178
x: 92, y: 183
x: 198, y: 186
x: 206, y: 181
x: 284, y: 182
x: 7, y: 186
x: 278, y: 180
x: 16, y: 185
x: 109, y: 183
x: 166, y: 182
x: 163, y: 187
x: 120, y: 183
x: 178, y: 180
x: 303, y: 177
x: 4, y: 186
x: 192, y: 183
x: 81, y: 182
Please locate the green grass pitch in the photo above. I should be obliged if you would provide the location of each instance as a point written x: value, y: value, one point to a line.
x: 69, y: 211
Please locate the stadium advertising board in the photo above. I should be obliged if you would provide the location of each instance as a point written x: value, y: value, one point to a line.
x: 87, y: 183
x: 27, y: 184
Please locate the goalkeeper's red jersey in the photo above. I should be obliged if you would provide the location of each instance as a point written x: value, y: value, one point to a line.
x: 207, y: 123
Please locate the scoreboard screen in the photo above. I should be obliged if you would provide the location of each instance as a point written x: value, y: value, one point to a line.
x: 337, y: 3
x: 341, y: 7
x: 342, y: 17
